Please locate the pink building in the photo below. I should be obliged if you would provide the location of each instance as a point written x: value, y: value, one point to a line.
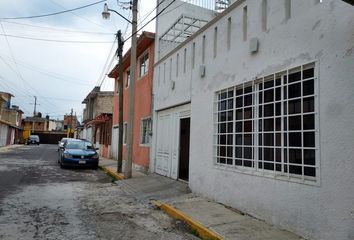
x: 143, y: 91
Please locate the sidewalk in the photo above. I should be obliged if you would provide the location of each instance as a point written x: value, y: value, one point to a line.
x: 210, y: 220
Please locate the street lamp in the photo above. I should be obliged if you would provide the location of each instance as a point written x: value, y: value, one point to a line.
x: 106, y: 13
x: 128, y: 166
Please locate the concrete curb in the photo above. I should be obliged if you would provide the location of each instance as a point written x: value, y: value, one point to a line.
x: 111, y: 173
x: 203, y: 232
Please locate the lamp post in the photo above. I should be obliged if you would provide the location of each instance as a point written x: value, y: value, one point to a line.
x: 128, y: 162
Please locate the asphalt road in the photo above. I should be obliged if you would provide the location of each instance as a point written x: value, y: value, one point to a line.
x: 39, y: 200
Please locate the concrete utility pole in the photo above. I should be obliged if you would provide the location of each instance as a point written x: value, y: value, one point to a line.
x: 71, y: 123
x: 129, y: 157
x: 120, y: 92
x: 35, y: 106
x: 34, y: 112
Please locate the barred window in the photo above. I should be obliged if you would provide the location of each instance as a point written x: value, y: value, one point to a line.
x: 269, y: 125
x: 145, y: 130
x: 144, y: 64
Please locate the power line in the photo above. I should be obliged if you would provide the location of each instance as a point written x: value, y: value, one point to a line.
x: 18, y: 73
x: 104, y: 69
x: 51, y: 40
x: 57, y: 29
x: 79, y: 16
x: 55, y: 13
x: 53, y: 75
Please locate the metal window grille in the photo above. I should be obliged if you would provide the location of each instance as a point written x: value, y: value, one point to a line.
x: 145, y: 130
x: 270, y: 125
x: 144, y: 64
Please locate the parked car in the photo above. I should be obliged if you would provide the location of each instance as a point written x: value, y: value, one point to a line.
x: 61, y: 143
x: 33, y: 139
x: 78, y: 153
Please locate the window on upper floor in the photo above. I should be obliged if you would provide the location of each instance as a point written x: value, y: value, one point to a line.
x: 144, y: 64
x: 127, y: 79
x: 268, y: 126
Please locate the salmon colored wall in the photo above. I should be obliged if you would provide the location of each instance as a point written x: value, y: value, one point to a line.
x: 142, y: 108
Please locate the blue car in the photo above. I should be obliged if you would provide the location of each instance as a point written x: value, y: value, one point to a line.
x: 78, y: 153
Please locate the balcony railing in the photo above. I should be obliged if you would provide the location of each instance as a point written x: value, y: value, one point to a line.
x: 215, y: 5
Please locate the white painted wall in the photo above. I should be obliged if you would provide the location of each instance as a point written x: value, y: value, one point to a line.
x: 3, y: 134
x: 114, y: 145
x: 321, y: 32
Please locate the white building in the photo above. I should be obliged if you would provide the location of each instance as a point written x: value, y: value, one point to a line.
x: 264, y: 92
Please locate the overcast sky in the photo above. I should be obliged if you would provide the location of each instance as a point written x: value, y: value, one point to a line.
x: 59, y: 74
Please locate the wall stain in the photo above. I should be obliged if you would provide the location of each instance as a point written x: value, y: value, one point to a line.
x: 316, y: 25
x: 349, y: 52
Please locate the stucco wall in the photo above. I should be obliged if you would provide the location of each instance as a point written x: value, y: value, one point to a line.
x: 321, y: 32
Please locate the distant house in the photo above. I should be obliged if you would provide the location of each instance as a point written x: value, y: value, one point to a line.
x: 10, y: 120
x: 69, y: 124
x: 143, y: 91
x: 97, y: 119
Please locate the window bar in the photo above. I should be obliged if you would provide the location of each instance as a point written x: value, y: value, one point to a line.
x: 256, y: 127
x: 262, y: 122
x: 243, y: 124
x: 302, y: 128
x: 253, y: 125
x: 274, y: 126
x: 234, y: 128
x: 287, y: 123
x: 282, y: 122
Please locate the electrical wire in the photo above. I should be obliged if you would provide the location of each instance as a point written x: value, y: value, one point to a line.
x: 18, y: 71
x: 52, y: 40
x: 57, y: 29
x: 53, y: 75
x: 79, y: 16
x: 55, y: 13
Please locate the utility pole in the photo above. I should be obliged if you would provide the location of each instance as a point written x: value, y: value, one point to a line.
x: 34, y: 112
x: 71, y: 123
x: 120, y: 92
x: 129, y: 157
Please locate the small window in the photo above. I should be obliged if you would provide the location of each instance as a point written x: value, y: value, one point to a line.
x: 264, y: 15
x: 203, y: 50
x: 127, y: 79
x: 144, y: 64
x: 228, y: 33
x: 193, y: 55
x: 125, y: 128
x: 177, y: 62
x: 145, y: 129
x: 215, y: 41
x: 184, y: 60
x: 287, y: 9
x: 245, y: 23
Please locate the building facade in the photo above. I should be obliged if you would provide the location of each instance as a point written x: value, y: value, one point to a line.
x: 97, y: 120
x: 10, y: 121
x: 262, y: 96
x: 142, y: 104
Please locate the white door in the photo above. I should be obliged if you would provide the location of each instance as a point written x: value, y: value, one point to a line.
x: 167, y: 144
x: 163, y: 145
